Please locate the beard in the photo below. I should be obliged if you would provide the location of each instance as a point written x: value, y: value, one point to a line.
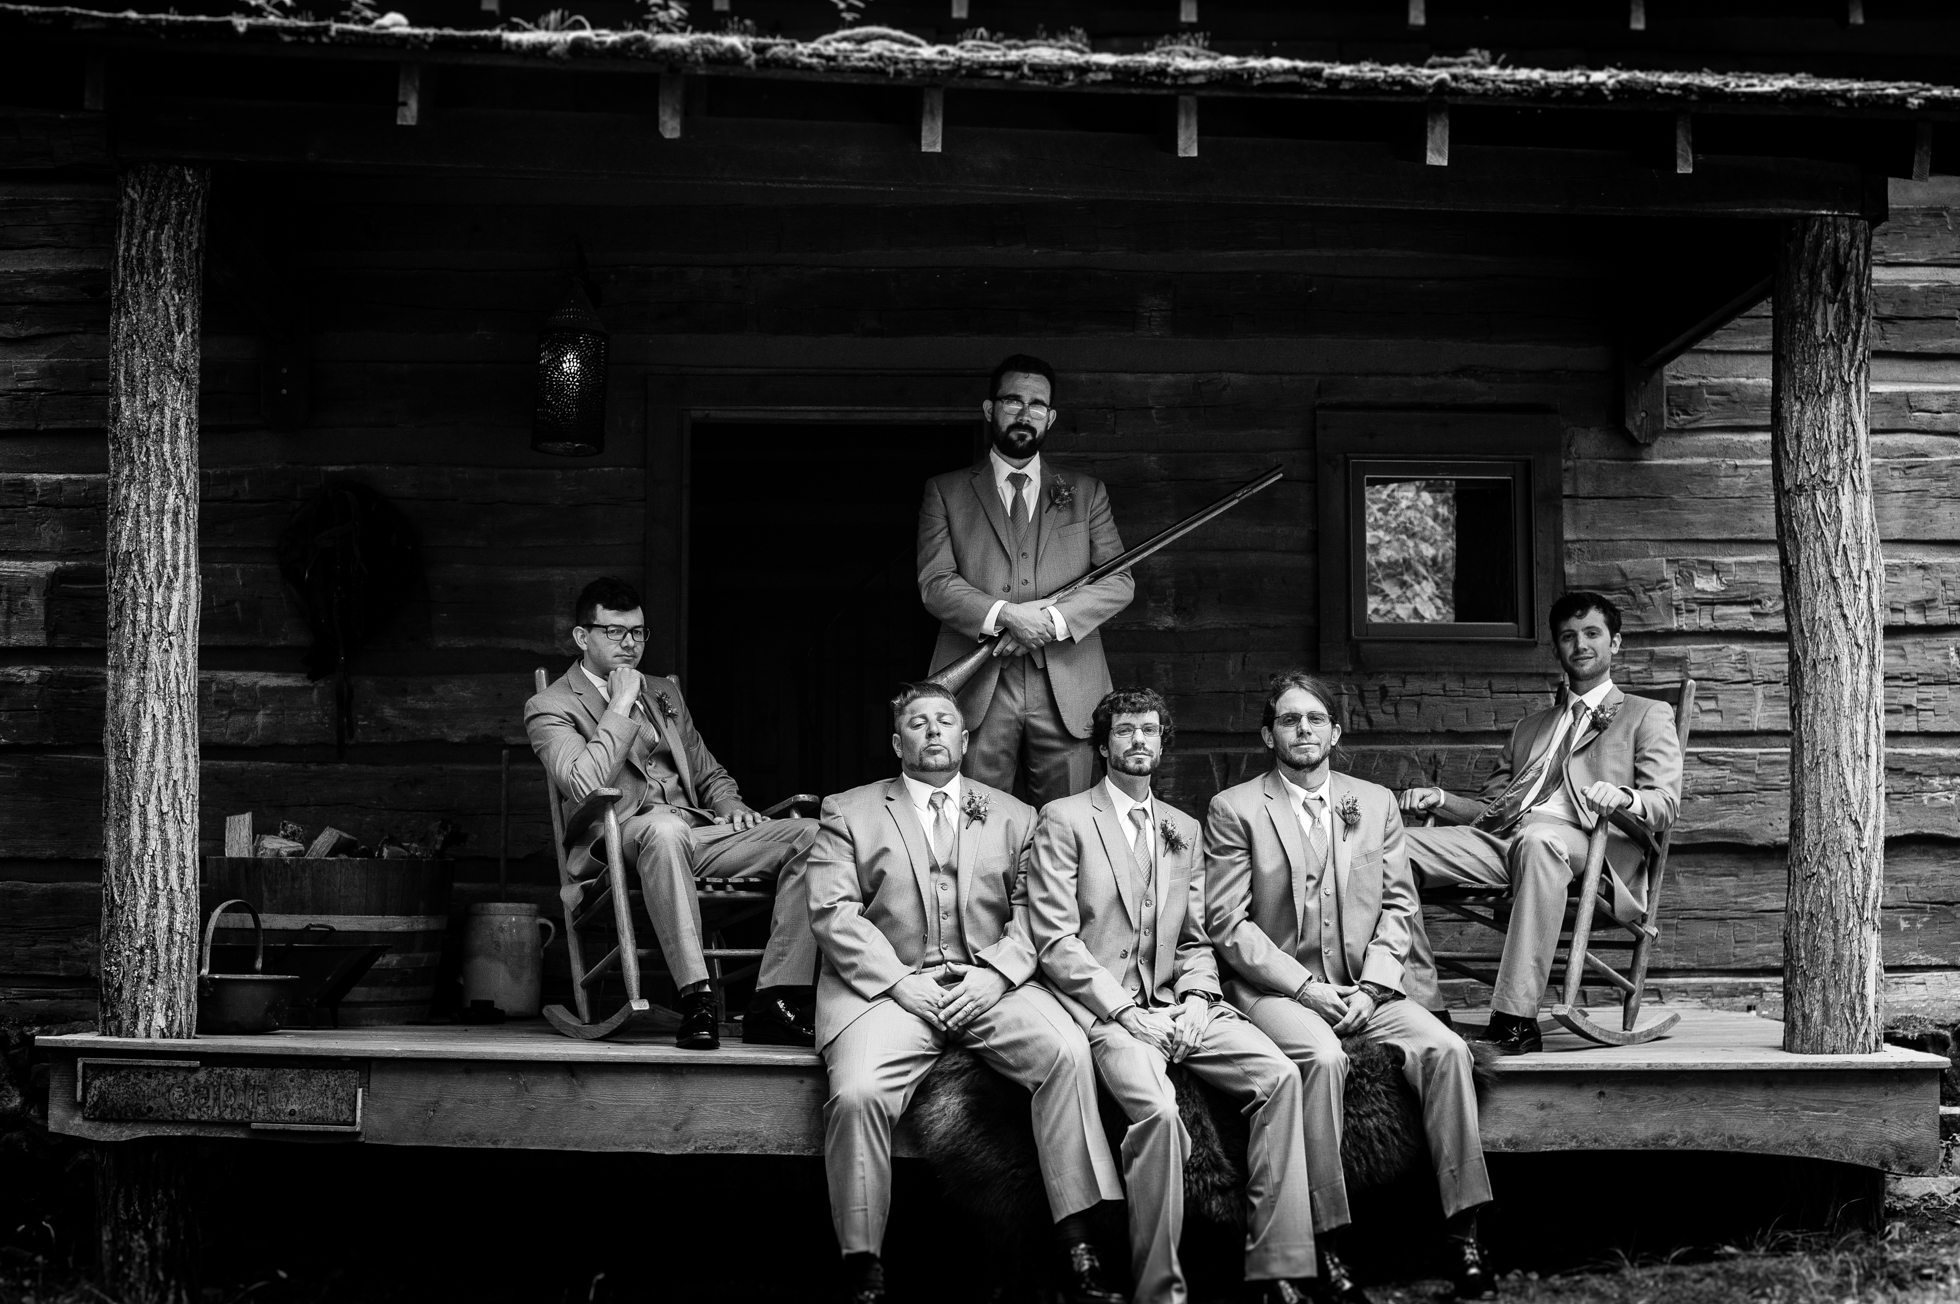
x: 1305, y: 753
x: 1018, y: 439
x: 1136, y: 762
x: 935, y: 758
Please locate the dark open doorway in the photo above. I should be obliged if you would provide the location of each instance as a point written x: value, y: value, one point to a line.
x: 803, y: 598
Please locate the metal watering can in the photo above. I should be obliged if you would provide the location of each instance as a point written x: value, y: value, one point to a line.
x: 241, y: 1002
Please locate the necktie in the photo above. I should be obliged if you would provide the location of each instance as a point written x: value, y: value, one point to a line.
x: 1017, y: 507
x: 942, y: 829
x: 1316, y: 832
x: 1140, y: 844
x: 1526, y: 791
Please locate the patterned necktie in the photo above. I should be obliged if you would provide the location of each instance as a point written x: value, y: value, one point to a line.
x: 1017, y: 507
x: 1316, y: 831
x: 1525, y: 791
x: 942, y: 829
x: 1140, y: 844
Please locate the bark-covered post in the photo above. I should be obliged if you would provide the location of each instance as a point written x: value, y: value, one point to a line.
x: 1834, y: 597
x: 149, y: 735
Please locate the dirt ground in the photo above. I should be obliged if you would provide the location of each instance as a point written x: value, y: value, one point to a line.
x: 1916, y: 1259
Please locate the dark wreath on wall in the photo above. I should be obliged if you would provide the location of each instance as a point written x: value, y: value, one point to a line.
x: 352, y: 560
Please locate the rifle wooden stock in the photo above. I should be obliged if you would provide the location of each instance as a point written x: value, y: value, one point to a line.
x: 953, y: 677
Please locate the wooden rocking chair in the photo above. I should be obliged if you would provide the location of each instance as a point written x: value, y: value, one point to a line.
x: 607, y: 898
x: 1577, y: 940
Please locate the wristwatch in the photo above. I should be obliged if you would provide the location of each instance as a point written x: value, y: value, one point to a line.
x: 1379, y: 994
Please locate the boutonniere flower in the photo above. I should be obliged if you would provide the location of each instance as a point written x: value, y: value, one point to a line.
x: 1350, y: 812
x: 666, y: 704
x: 1173, y: 840
x: 975, y: 806
x: 1061, y: 494
x: 1602, y: 715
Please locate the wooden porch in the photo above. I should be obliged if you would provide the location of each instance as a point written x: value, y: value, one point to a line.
x: 1721, y: 1082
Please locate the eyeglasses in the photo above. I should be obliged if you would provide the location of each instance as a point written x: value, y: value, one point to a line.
x: 1314, y: 720
x: 621, y: 634
x: 1129, y: 731
x: 1014, y: 407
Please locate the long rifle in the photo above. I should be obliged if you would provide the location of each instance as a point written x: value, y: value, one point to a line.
x: 954, y: 676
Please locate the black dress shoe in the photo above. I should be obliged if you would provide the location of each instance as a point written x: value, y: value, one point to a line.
x: 1472, y: 1276
x: 773, y: 1021
x: 1512, y: 1035
x: 1336, y: 1283
x: 700, y: 1029
x: 1083, y: 1276
x: 1281, y: 1291
x: 866, y: 1276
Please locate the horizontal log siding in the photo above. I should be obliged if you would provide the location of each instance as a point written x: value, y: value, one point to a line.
x: 1199, y: 344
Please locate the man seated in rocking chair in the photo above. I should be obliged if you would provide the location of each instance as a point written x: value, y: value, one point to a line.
x: 1596, y: 750
x: 603, y: 724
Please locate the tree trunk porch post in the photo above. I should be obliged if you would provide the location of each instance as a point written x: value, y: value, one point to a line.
x: 150, y: 730
x: 1833, y: 593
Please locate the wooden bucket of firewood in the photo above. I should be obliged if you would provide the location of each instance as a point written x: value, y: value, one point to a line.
x: 400, y: 903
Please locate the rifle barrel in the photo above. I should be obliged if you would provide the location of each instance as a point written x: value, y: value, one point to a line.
x: 954, y: 676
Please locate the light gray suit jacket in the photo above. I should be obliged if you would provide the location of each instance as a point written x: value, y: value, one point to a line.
x: 870, y: 885
x: 965, y: 566
x: 1255, y: 867
x: 584, y: 745
x: 1084, y: 904
x: 1638, y: 750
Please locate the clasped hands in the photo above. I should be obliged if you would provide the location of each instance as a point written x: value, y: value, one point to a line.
x: 1174, y: 1035
x: 1347, y: 1008
x: 1023, y: 626
x: 950, y: 1008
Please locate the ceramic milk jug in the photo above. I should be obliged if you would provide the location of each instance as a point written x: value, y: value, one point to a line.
x: 503, y: 962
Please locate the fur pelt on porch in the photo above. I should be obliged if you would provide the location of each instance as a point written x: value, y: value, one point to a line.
x: 975, y: 1131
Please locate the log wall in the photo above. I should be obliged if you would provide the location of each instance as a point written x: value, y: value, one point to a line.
x: 1198, y: 343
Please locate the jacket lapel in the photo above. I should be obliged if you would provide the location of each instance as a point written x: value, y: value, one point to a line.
x: 1173, y: 890
x: 898, y: 805
x: 676, y: 745
x: 1609, y: 704
x: 983, y: 489
x: 1116, y: 851
x: 1279, y: 808
x: 966, y: 849
x: 1043, y: 527
x: 1343, y: 853
x: 587, y: 695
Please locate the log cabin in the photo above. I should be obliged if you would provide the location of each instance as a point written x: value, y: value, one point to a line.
x: 804, y: 294
x: 1248, y: 236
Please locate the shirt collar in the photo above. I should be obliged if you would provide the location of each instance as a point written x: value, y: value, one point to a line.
x: 1299, y: 794
x: 604, y: 694
x: 1593, y: 698
x: 921, y: 793
x: 1002, y: 469
x: 1124, y: 802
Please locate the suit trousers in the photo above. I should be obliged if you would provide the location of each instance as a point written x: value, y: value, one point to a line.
x: 876, y: 1064
x: 1023, y: 726
x: 1538, y: 862
x: 1242, y: 1062
x: 1436, y: 1063
x: 672, y: 853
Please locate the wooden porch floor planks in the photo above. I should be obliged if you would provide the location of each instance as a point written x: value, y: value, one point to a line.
x: 1721, y: 1082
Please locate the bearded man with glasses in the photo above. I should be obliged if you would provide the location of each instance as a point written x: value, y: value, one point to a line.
x: 603, y: 724
x: 1311, y: 905
x: 994, y: 541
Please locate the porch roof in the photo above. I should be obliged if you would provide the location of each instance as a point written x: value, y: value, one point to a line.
x: 887, y: 55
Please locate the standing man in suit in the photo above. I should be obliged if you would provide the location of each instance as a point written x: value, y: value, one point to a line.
x: 1310, y: 904
x: 918, y: 894
x: 603, y: 724
x: 994, y: 539
x: 1117, y: 897
x: 1595, y: 750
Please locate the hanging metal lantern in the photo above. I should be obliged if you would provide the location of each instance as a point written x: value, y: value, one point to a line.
x: 571, y: 417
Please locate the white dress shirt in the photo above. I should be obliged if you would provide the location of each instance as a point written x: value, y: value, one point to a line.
x: 1298, y: 796
x: 605, y: 695
x: 1124, y: 805
x: 1558, y: 805
x: 921, y: 795
x: 1030, y: 499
